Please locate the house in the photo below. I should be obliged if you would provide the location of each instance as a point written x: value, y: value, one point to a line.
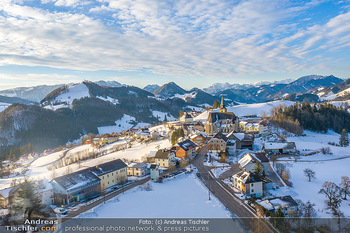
x: 151, y: 157
x: 198, y: 126
x: 231, y: 146
x: 45, y: 190
x: 256, y: 127
x: 248, y: 183
x: 249, y: 160
x: 137, y: 169
x: 111, y: 173
x: 279, y: 147
x: 4, y: 197
x: 154, y: 169
x: 165, y: 158
x: 218, y: 142
x: 199, y: 138
x: 243, y: 140
x: 287, y: 203
x: 186, y: 118
x: 186, y: 149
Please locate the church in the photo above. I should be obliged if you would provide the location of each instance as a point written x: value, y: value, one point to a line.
x: 221, y: 121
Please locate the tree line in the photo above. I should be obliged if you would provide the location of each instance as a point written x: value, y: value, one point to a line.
x: 318, y: 117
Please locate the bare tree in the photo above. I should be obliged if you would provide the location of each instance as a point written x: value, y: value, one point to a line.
x: 333, y: 194
x: 310, y: 174
x: 345, y: 186
x: 184, y: 163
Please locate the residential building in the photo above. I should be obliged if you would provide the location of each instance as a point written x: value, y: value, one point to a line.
x: 286, y: 203
x: 137, y: 169
x: 151, y: 157
x: 186, y: 149
x: 199, y: 138
x: 165, y: 158
x: 279, y: 148
x: 45, y: 190
x: 249, y: 160
x: 111, y: 173
x: 243, y: 140
x: 218, y: 142
x: 4, y: 197
x: 248, y: 183
x: 186, y: 118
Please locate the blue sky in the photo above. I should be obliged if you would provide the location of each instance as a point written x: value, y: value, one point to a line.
x: 193, y: 43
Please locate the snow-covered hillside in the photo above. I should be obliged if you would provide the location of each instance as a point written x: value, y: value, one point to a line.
x: 77, y: 91
x: 181, y: 197
x: 39, y: 169
x: 332, y: 96
x: 161, y: 116
x: 125, y: 123
x: 248, y: 109
x: 3, y: 106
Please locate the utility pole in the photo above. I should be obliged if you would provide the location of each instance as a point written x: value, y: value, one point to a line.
x: 208, y: 186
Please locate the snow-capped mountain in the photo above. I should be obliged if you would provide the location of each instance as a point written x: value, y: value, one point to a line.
x: 338, y: 92
x: 169, y: 90
x: 217, y: 88
x: 35, y: 93
x: 151, y: 88
x: 109, y: 83
x: 306, y: 83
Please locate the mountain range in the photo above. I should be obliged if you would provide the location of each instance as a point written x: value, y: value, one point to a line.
x: 68, y: 111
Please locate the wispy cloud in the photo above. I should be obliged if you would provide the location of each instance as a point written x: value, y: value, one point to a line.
x: 214, y: 38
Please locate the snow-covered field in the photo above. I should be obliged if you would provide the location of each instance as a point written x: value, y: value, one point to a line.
x: 181, y: 197
x: 308, y: 191
x: 327, y: 168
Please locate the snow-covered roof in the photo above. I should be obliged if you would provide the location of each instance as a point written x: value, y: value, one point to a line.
x: 279, y: 145
x: 275, y: 202
x: 138, y: 165
x: 239, y: 136
x: 5, y: 192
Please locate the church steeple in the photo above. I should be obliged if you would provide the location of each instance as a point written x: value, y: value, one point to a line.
x: 222, y: 105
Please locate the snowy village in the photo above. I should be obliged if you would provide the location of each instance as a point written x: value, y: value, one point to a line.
x: 222, y: 162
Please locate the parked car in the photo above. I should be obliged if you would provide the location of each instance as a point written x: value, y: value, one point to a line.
x: 60, y: 210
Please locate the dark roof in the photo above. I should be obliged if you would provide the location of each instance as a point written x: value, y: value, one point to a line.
x: 163, y: 154
x: 89, y: 175
x: 108, y: 167
x: 248, y: 177
x: 187, y: 144
x: 262, y: 157
x: 217, y: 116
x: 77, y: 179
x: 153, y: 166
x: 220, y: 135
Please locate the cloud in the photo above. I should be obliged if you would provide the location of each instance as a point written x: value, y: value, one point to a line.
x: 186, y: 38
